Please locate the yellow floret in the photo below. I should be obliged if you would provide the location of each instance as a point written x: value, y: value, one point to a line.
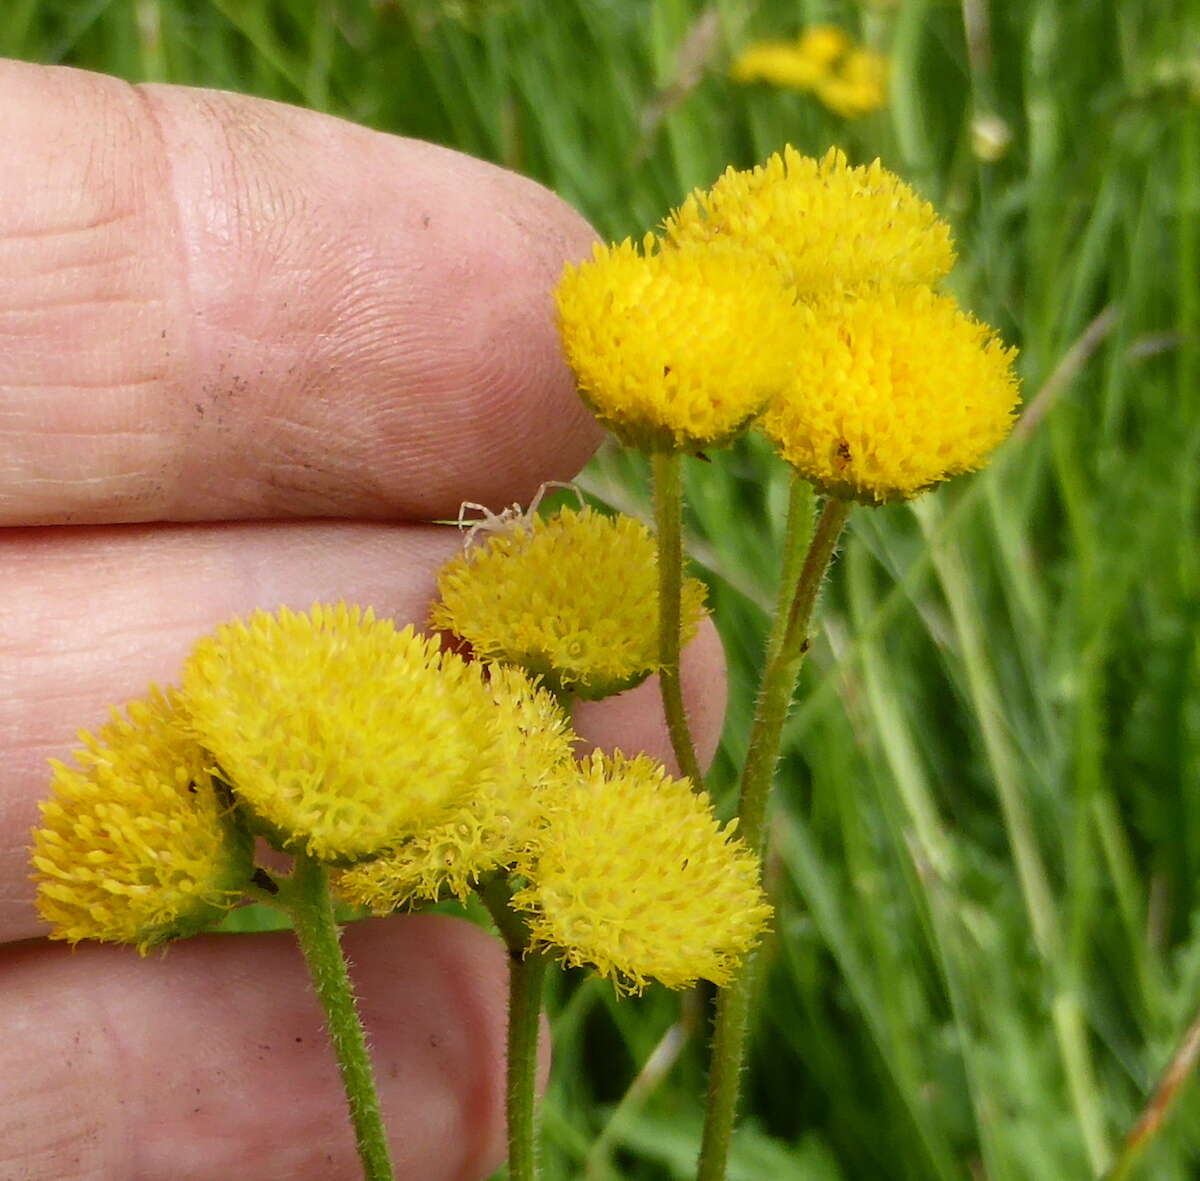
x: 493, y: 826
x: 633, y: 875
x: 341, y: 734
x: 137, y: 845
x: 573, y: 598
x: 675, y: 349
x: 892, y: 394
x: 825, y: 225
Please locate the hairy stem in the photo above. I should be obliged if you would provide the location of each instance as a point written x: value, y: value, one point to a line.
x: 306, y: 897
x: 786, y: 647
x: 668, y: 516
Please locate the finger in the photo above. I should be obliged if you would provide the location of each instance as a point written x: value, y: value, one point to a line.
x: 93, y: 616
x: 212, y: 1062
x: 220, y: 307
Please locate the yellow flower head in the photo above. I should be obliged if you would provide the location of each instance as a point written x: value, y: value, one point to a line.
x: 825, y: 225
x: 796, y: 65
x: 893, y: 393
x: 675, y: 349
x: 573, y: 598
x: 632, y: 874
x: 136, y: 845
x: 493, y: 826
x: 857, y: 87
x: 340, y: 734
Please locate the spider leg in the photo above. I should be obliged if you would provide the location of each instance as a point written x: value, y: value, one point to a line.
x: 540, y: 494
x: 485, y: 514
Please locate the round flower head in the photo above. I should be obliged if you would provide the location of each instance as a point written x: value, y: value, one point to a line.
x: 632, y: 874
x: 493, y: 826
x: 137, y: 845
x: 892, y: 394
x: 675, y: 349
x: 572, y: 597
x: 824, y: 224
x: 340, y: 734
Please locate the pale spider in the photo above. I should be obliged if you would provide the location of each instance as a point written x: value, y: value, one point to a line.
x: 507, y: 518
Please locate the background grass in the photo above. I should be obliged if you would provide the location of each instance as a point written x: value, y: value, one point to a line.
x: 987, y: 836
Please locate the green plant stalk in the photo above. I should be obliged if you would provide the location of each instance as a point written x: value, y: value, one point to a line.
x: 668, y: 518
x: 526, y: 977
x: 787, y: 651
x: 306, y: 897
x: 798, y: 532
x: 1152, y: 1116
x: 786, y: 647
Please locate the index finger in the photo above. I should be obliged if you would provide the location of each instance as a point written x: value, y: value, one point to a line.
x: 220, y: 307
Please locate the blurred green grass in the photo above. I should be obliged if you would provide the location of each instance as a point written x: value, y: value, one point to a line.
x: 987, y: 837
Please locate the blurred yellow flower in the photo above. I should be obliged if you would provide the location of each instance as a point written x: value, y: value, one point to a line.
x: 849, y: 79
x: 824, y: 224
x: 675, y: 349
x: 894, y: 391
x: 630, y: 873
x: 857, y: 87
x: 572, y: 597
x: 341, y: 734
x: 137, y: 845
x: 493, y: 826
x: 799, y: 64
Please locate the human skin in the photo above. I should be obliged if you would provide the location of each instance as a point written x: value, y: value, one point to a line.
x: 245, y: 350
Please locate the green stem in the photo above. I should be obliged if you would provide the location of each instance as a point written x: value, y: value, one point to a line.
x: 786, y: 647
x: 306, y: 896
x: 798, y: 532
x: 526, y: 975
x: 668, y: 516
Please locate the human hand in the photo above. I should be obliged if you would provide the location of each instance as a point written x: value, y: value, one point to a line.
x: 244, y: 348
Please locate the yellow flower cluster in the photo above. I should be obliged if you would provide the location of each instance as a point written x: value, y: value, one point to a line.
x: 137, y: 845
x: 826, y: 225
x: 630, y: 872
x: 890, y: 388
x: 492, y: 826
x: 674, y: 349
x: 849, y: 79
x: 626, y: 871
x: 334, y: 733
x: 573, y: 598
x: 892, y: 394
x: 342, y: 734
